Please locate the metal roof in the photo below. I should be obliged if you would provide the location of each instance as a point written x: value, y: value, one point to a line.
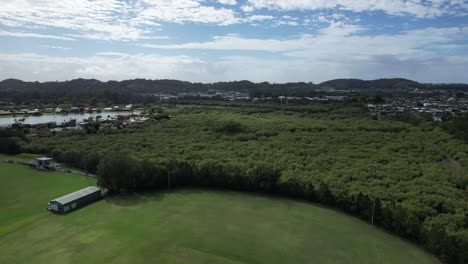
x: 76, y: 195
x: 44, y: 158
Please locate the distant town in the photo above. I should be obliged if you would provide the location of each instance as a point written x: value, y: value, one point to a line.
x: 441, y: 107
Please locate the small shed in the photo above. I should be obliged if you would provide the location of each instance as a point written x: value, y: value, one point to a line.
x: 75, y: 200
x: 43, y: 163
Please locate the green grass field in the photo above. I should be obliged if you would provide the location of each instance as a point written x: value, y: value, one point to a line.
x: 23, y: 157
x: 186, y: 226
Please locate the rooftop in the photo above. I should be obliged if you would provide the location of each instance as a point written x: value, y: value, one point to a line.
x: 76, y: 195
x: 44, y: 159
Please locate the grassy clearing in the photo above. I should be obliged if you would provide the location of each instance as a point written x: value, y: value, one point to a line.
x: 23, y: 157
x: 187, y: 226
x: 24, y: 193
x: 26, y: 157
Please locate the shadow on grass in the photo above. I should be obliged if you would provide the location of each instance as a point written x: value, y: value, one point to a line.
x: 134, y: 198
x: 78, y: 208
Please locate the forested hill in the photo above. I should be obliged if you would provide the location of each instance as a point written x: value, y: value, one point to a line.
x: 389, y: 85
x: 87, y: 85
x: 383, y: 84
x: 80, y: 90
x: 85, y: 90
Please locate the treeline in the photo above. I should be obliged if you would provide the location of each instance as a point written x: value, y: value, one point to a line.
x: 121, y: 173
x: 10, y: 141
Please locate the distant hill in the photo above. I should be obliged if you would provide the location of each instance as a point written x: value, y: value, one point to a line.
x: 388, y: 85
x: 80, y: 90
x: 380, y: 84
x: 85, y: 90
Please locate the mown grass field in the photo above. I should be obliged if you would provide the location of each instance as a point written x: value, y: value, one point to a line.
x: 24, y: 193
x: 185, y: 226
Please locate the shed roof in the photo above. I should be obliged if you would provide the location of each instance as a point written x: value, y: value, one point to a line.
x: 76, y: 195
x: 44, y: 158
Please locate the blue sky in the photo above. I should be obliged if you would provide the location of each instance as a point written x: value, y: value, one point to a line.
x: 224, y: 40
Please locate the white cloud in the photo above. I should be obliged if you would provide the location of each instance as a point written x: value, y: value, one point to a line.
x: 228, y: 2
x: 288, y: 23
x: 257, y: 18
x: 290, y: 17
x: 342, y: 50
x: 90, y: 18
x: 114, y: 54
x: 421, y: 9
x: 126, y: 20
x: 120, y: 66
x: 54, y: 47
x: 330, y: 18
x: 247, y: 8
x: 338, y: 41
x: 233, y: 42
x: 4, y: 33
x: 182, y: 11
x: 110, y: 19
x: 104, y: 66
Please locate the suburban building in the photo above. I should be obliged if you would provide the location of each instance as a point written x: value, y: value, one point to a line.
x: 75, y: 200
x: 44, y: 163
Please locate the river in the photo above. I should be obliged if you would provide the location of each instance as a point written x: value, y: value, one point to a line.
x: 57, y: 118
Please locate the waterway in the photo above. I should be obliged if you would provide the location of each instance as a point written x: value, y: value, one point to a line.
x: 57, y: 118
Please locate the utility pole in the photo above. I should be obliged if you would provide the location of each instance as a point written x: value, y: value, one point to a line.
x: 373, y: 208
x: 168, y: 164
x: 168, y: 179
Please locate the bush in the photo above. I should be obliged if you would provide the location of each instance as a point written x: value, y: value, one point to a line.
x: 231, y: 127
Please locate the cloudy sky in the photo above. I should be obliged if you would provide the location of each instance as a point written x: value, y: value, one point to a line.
x: 222, y: 40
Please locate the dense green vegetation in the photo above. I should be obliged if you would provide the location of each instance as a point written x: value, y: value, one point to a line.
x: 329, y: 153
x: 10, y: 140
x: 185, y: 226
x: 458, y: 127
